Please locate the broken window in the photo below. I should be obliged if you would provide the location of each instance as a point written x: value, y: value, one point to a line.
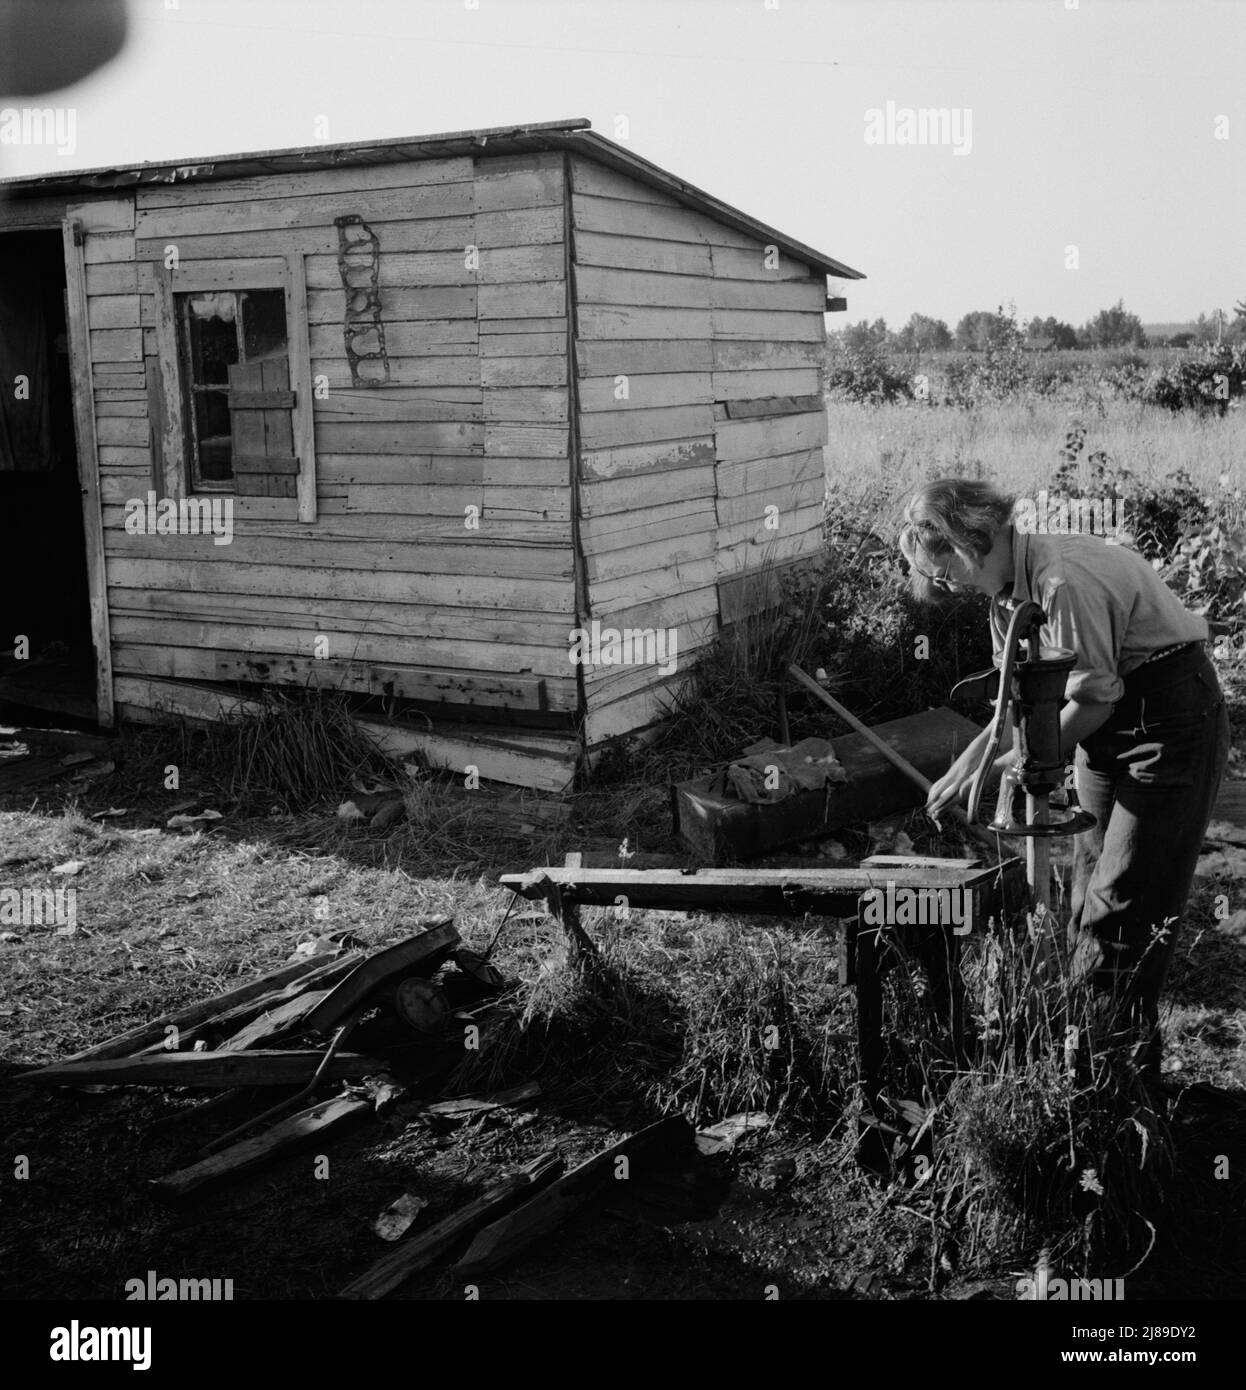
x: 236, y: 374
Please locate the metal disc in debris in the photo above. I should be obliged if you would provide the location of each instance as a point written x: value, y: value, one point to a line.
x: 422, y: 1005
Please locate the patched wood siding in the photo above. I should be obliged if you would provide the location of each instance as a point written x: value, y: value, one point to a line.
x: 474, y: 415
x: 698, y: 370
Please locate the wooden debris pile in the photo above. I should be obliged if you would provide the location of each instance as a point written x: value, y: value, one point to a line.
x: 398, y: 1006
x: 289, y: 1028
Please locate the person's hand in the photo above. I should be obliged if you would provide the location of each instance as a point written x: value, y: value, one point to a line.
x: 950, y: 790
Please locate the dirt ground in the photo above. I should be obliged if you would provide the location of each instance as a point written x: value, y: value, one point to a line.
x: 167, y: 917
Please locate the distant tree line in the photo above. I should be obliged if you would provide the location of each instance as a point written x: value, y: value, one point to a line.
x: 984, y: 330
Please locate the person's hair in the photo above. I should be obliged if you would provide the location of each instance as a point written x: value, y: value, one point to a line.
x: 951, y: 516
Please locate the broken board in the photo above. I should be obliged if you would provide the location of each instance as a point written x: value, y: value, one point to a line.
x: 721, y: 829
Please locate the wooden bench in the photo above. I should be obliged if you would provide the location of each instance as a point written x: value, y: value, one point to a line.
x: 850, y: 895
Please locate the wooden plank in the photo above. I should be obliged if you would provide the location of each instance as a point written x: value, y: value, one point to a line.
x: 608, y: 428
x: 619, y: 321
x: 283, y: 1137
x: 532, y: 503
x: 608, y: 358
x: 208, y: 1069
x: 738, y: 388
x: 497, y: 190
x: 662, y: 489
x: 407, y: 305
x: 645, y: 391
x: 645, y: 253
x: 739, y: 440
x: 302, y: 422
x: 408, y: 1258
x: 625, y: 217
x: 172, y: 440
x: 457, y: 687
x: 597, y: 285
x: 534, y: 369
x: 632, y: 460
x: 344, y: 643
x: 303, y: 210
x: 424, y: 950
x: 197, y: 1015
x: 772, y: 892
x: 516, y: 298
x: 282, y: 1020
x: 468, y: 596
x: 358, y: 541
x: 505, y: 1238
x: 352, y: 180
x: 754, y: 476
x: 764, y: 356
x: 525, y: 760
x: 87, y: 439
x: 170, y: 700
x: 770, y: 325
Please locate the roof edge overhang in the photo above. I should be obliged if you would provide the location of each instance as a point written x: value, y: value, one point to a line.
x: 573, y: 135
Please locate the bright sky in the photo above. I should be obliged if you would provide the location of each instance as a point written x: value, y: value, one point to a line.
x: 1093, y: 122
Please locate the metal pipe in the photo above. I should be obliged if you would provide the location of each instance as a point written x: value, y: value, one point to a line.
x: 984, y: 837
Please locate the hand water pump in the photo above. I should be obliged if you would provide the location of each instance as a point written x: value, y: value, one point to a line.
x: 1033, y: 799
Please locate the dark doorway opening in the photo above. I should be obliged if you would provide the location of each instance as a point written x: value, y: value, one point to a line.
x: 47, y: 660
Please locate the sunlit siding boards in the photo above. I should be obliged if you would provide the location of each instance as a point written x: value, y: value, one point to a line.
x: 440, y: 564
x: 687, y: 331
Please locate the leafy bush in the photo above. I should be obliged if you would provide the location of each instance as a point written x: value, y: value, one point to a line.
x: 1208, y: 379
x: 864, y: 374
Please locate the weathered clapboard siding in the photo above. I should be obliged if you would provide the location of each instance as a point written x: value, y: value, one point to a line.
x: 531, y: 304
x: 679, y: 321
x: 392, y: 565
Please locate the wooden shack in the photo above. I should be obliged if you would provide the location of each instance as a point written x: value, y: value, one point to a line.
x: 493, y: 430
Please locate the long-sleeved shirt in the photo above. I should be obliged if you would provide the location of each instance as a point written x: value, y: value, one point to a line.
x: 1102, y: 601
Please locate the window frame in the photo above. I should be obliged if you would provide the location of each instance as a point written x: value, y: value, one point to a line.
x: 284, y: 273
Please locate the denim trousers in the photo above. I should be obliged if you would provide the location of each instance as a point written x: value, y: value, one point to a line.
x: 1150, y: 777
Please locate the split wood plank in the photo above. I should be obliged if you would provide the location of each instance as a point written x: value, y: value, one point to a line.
x: 506, y: 1238
x: 413, y: 1255
x: 435, y: 943
x: 480, y: 1105
x: 207, y: 1069
x: 314, y: 1122
x: 282, y: 1021
x: 194, y: 1017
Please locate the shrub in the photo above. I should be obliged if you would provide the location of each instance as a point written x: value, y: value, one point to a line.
x: 865, y: 375
x: 1208, y: 379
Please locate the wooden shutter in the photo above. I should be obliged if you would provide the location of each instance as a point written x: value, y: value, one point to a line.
x: 261, y: 406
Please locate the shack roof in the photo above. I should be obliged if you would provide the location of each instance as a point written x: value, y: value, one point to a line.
x: 574, y: 135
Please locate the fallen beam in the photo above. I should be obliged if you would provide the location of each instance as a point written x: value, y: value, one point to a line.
x: 207, y: 1069
x: 426, y: 949
x: 280, y: 1021
x: 504, y: 1239
x: 204, y: 1011
x: 413, y: 1255
x: 314, y: 1122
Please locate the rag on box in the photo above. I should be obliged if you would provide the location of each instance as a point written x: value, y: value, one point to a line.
x: 764, y: 778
